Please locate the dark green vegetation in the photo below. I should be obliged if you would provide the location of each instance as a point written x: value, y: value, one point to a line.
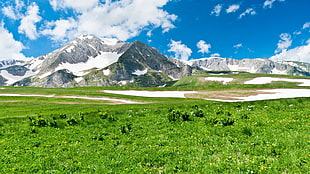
x: 57, y: 135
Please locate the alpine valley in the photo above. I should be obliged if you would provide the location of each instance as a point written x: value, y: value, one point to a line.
x: 92, y: 61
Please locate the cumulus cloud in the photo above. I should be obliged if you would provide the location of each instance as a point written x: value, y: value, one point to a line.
x: 284, y: 43
x: 14, y: 11
x: 9, y: 12
x: 9, y: 47
x: 28, y: 22
x: 269, y: 3
x: 121, y: 19
x: 217, y: 10
x: 203, y: 47
x: 60, y: 30
x: 80, y: 5
x: 181, y: 51
x: 233, y: 8
x: 301, y: 54
x: 249, y: 11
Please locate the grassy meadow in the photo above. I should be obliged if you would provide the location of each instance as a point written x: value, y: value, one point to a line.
x: 164, y: 135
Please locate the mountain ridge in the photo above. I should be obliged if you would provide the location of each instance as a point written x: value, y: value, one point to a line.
x: 92, y: 61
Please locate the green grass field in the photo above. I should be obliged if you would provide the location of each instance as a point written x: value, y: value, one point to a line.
x: 58, y: 135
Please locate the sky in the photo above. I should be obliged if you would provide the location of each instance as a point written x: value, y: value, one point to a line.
x: 183, y: 29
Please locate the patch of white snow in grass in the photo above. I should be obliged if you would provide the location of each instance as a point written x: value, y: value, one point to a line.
x: 172, y: 94
x: 265, y: 80
x: 271, y: 94
x: 224, y: 80
x: 278, y: 94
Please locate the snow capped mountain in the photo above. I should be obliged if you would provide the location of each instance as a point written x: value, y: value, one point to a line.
x: 92, y: 61
x: 258, y: 65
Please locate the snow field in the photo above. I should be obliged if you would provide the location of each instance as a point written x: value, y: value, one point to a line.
x: 265, y: 80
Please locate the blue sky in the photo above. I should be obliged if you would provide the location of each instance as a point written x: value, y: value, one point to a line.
x: 183, y: 29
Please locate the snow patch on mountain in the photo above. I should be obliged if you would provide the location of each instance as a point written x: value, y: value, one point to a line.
x: 110, y: 41
x: 139, y: 72
x: 101, y: 61
x: 276, y: 71
x: 12, y: 79
x: 79, y: 79
x: 69, y: 49
x: 106, y: 72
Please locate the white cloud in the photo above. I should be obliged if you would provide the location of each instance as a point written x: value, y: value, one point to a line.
x: 238, y: 45
x: 181, y: 51
x: 306, y: 25
x: 284, y: 43
x: 203, y: 47
x: 9, y: 12
x: 121, y: 19
x: 28, y: 22
x: 297, y: 33
x: 301, y: 54
x: 233, y: 8
x: 269, y: 3
x: 217, y: 10
x: 14, y: 11
x: 80, y: 5
x: 9, y: 47
x: 249, y: 11
x: 215, y: 55
x: 60, y: 30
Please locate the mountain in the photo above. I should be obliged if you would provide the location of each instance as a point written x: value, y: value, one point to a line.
x: 92, y: 61
x: 263, y: 66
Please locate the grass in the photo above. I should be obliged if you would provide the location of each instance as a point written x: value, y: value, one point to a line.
x: 197, y: 82
x: 57, y: 135
x: 249, y: 137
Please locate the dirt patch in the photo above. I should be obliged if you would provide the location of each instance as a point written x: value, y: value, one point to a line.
x: 10, y: 101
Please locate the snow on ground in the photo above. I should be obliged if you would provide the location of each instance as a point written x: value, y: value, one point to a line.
x: 106, y: 72
x: 73, y: 97
x: 101, y: 61
x: 69, y: 49
x: 271, y: 94
x: 139, y: 72
x: 265, y: 80
x: 274, y: 94
x: 79, y: 79
x: 172, y: 94
x: 110, y: 41
x: 12, y: 79
x: 224, y: 80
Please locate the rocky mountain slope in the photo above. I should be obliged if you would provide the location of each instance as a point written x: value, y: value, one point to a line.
x: 91, y: 61
x: 263, y: 66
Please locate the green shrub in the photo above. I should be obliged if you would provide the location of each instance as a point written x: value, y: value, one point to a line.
x: 178, y: 115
